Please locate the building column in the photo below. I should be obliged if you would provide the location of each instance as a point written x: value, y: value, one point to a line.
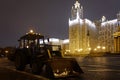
x: 118, y: 44
x: 115, y: 44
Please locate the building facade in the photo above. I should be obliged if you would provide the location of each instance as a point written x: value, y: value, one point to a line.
x: 107, y: 33
x: 117, y: 42
x: 82, y: 32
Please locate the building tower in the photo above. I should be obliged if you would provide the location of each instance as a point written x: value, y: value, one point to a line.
x: 76, y: 11
x: 80, y: 31
x: 118, y: 20
x: 74, y: 28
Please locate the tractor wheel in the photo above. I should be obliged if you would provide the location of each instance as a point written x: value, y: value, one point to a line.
x: 37, y: 67
x: 20, y: 61
x: 49, y: 72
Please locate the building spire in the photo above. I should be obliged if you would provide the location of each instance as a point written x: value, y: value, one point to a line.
x: 76, y: 11
x: 77, y: 4
x: 118, y: 16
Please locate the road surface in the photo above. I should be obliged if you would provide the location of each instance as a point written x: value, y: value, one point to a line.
x: 100, y: 68
x: 8, y: 72
x: 95, y: 68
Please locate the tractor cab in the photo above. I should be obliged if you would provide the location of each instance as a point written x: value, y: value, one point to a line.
x: 31, y: 39
x: 35, y: 42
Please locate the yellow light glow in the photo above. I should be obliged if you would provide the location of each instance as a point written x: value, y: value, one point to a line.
x: 89, y: 48
x: 6, y: 51
x: 103, y: 48
x: 79, y: 50
x: 95, y: 49
x: 98, y: 47
x: 67, y: 50
x: 31, y: 31
x: 27, y: 46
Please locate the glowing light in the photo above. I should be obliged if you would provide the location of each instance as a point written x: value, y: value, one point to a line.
x: 79, y: 50
x: 54, y: 40
x: 31, y: 31
x: 65, y: 72
x: 98, y: 47
x: 6, y: 51
x: 66, y: 41
x: 77, y: 4
x: 27, y: 46
x: 103, y: 18
x: 95, y: 49
x: 46, y: 41
x: 67, y: 50
x: 103, y: 47
x: 41, y: 42
x: 89, y: 48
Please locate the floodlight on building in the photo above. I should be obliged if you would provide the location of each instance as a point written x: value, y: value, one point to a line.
x: 67, y: 51
x: 103, y: 48
x: 95, y: 49
x: 89, y: 49
x: 98, y: 47
x: 79, y: 50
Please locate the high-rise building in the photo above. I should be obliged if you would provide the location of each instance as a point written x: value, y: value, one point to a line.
x: 108, y: 31
x: 82, y: 32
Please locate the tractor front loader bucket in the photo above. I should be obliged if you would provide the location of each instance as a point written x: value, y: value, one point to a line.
x: 62, y: 67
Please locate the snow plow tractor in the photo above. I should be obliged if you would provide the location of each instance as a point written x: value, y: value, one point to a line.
x: 44, y: 58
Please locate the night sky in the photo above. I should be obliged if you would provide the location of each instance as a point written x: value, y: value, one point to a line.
x: 48, y: 17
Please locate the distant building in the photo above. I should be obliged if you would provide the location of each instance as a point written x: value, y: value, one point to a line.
x: 82, y: 32
x: 108, y: 30
x: 117, y: 42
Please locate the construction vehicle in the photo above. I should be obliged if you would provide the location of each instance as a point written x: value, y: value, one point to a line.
x: 44, y: 58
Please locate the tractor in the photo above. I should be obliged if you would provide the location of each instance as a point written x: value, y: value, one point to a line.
x: 43, y: 57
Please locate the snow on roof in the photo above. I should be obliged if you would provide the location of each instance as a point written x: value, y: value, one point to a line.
x: 81, y: 22
x: 90, y: 23
x: 110, y: 22
x: 66, y: 41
